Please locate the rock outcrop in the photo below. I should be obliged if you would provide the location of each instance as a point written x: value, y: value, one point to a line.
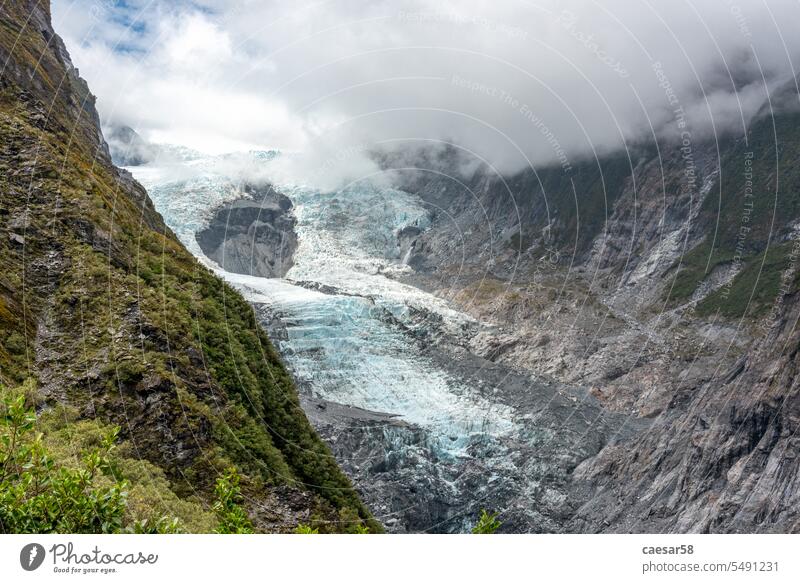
x: 254, y: 235
x: 127, y: 148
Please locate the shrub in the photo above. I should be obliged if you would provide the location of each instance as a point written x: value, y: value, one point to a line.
x: 38, y: 495
x: 487, y: 523
x: 232, y: 518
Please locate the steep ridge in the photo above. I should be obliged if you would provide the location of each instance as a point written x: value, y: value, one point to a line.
x: 722, y: 457
x: 114, y: 319
x: 665, y: 281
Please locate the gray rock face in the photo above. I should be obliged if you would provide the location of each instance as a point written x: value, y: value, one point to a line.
x: 722, y: 458
x: 252, y: 236
x: 579, y: 285
x: 128, y: 148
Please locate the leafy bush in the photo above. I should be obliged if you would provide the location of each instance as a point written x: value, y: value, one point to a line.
x: 45, y: 493
x: 37, y: 495
x: 232, y: 518
x: 350, y: 523
x: 305, y: 529
x: 487, y: 523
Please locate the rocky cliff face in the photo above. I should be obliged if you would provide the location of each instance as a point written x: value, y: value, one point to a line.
x: 254, y: 235
x: 115, y: 321
x: 664, y: 281
x: 721, y: 458
x: 127, y: 148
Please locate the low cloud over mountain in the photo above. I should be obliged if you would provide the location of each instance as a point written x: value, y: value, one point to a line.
x: 513, y: 83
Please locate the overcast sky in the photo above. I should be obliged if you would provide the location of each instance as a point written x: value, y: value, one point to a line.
x: 512, y: 81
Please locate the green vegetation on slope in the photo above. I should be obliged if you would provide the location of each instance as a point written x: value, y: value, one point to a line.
x: 755, y: 287
x: 577, y: 216
x: 118, y: 323
x: 70, y: 478
x: 748, y: 218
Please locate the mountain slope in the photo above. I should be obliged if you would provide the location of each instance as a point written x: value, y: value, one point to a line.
x: 114, y: 319
x: 665, y: 282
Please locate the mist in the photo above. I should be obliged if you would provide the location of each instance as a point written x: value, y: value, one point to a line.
x: 509, y: 84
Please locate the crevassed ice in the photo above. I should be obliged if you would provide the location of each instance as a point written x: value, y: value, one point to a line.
x: 347, y: 354
x: 343, y: 346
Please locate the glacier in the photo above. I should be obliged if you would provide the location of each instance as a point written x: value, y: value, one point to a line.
x: 345, y: 346
x: 428, y: 432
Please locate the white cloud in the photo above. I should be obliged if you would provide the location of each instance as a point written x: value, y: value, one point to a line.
x: 196, y: 45
x: 511, y: 81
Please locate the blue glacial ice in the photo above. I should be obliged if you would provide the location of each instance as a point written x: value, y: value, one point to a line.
x: 343, y: 346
